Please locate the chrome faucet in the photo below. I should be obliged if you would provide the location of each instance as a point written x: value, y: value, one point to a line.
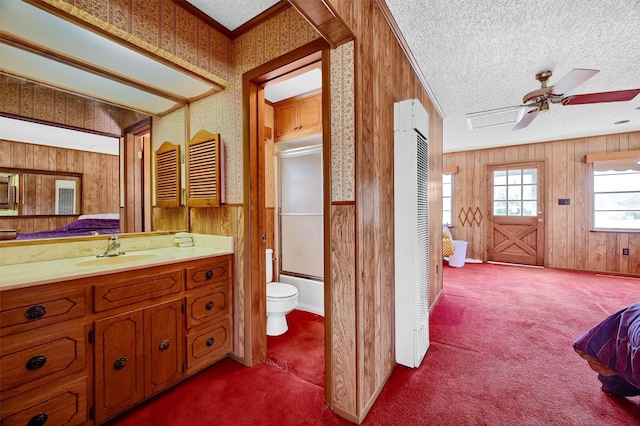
x: 113, y: 247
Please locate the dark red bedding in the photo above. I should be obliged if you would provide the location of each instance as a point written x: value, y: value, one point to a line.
x: 79, y: 227
x: 612, y: 349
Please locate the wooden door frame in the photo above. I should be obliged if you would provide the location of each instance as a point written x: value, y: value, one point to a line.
x: 540, y: 237
x: 254, y: 262
x: 127, y: 156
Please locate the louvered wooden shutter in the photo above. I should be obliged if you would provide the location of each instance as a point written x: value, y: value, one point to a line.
x: 168, y: 175
x: 203, y: 170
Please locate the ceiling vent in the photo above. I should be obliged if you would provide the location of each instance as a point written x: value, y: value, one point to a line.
x: 500, y: 117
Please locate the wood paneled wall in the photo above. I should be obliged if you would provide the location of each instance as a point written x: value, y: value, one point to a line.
x: 569, y: 242
x: 363, y: 232
x: 38, y: 193
x: 100, y: 180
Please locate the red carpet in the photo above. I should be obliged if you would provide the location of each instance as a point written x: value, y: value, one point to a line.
x: 300, y: 350
x: 501, y: 354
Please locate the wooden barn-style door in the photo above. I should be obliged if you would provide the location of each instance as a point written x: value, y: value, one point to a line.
x: 516, y: 213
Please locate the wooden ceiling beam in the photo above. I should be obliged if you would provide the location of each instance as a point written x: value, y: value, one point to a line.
x: 320, y: 14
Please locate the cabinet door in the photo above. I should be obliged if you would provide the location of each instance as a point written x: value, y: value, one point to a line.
x: 64, y: 405
x: 207, y: 306
x: 208, y: 344
x: 119, y: 372
x: 210, y: 272
x: 162, y: 345
x: 286, y: 120
x: 31, y: 359
x: 310, y: 115
x: 24, y: 309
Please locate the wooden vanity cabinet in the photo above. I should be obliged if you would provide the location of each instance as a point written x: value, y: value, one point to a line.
x: 208, y: 312
x: 137, y: 353
x: 298, y: 116
x: 43, y: 356
x: 62, y: 405
x: 83, y: 351
x: 119, y: 363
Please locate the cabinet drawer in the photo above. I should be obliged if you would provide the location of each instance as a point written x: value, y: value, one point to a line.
x: 207, y: 306
x: 126, y: 289
x: 214, y: 271
x: 27, y: 308
x: 208, y: 345
x: 31, y: 359
x: 64, y: 405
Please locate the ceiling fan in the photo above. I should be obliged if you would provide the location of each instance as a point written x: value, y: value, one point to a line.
x: 538, y: 100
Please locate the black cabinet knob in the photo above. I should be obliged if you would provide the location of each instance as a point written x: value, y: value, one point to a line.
x: 120, y: 363
x: 209, y: 305
x: 164, y: 345
x: 36, y: 362
x: 35, y: 312
x: 210, y: 341
x: 38, y: 419
x: 209, y: 274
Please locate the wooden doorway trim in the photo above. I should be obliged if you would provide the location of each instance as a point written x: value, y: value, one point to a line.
x: 513, y: 238
x: 136, y: 178
x: 254, y: 263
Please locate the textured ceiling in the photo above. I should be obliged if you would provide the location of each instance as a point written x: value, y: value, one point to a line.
x: 484, y: 54
x: 233, y: 13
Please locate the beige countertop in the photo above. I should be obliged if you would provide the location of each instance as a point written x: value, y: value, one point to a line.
x: 18, y: 275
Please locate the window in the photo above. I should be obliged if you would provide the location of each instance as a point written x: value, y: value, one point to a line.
x: 616, y: 195
x: 446, y: 199
x: 515, y: 192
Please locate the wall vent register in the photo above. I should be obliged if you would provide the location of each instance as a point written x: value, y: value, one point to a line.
x: 411, y: 230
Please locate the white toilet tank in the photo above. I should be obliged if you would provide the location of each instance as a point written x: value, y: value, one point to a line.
x: 269, y: 255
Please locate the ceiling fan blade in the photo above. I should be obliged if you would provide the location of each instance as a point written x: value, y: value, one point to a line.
x: 572, y: 80
x: 526, y: 120
x: 596, y: 98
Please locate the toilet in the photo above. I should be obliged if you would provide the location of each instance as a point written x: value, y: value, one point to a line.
x: 281, y: 299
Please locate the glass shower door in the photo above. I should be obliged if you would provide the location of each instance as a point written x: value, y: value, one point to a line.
x: 300, y: 212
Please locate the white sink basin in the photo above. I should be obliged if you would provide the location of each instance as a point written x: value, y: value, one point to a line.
x: 116, y: 260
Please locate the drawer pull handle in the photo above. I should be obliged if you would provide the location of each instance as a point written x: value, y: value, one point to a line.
x: 38, y: 419
x: 209, y: 274
x: 210, y: 341
x: 164, y: 345
x: 35, y: 312
x: 209, y: 305
x: 120, y: 363
x: 36, y: 362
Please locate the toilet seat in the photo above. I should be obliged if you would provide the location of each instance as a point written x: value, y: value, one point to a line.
x: 276, y: 290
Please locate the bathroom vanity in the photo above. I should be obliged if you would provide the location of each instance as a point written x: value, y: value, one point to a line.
x: 86, y: 338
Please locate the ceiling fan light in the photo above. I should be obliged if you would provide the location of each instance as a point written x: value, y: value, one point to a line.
x: 544, y: 106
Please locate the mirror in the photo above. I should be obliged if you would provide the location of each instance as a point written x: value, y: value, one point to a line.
x: 28, y: 192
x: 45, y: 77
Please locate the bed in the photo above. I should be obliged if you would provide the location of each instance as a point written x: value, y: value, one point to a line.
x: 612, y: 349
x: 85, y: 225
